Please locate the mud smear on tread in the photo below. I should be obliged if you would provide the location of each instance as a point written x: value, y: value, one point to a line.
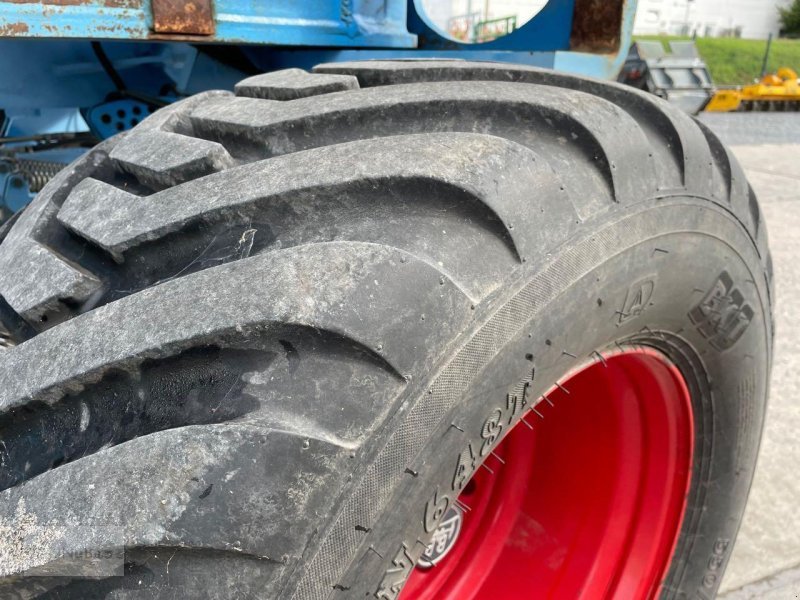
x: 198, y: 246
x: 200, y: 386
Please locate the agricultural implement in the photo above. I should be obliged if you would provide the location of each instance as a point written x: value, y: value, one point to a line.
x: 774, y: 92
x: 679, y: 76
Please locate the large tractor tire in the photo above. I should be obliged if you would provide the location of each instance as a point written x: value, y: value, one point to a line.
x: 417, y: 330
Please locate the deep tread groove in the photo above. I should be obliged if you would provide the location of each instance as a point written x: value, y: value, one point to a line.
x: 175, y: 392
x: 250, y: 133
x: 413, y: 187
x: 156, y: 569
x: 13, y: 328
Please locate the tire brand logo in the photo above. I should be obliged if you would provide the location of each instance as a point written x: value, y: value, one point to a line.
x: 435, y: 509
x: 443, y: 540
x: 636, y: 300
x: 722, y: 315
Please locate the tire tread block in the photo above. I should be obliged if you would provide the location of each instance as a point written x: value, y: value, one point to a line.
x: 161, y: 159
x: 290, y: 84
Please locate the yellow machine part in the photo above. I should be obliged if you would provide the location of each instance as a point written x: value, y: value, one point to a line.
x: 725, y: 101
x: 778, y: 91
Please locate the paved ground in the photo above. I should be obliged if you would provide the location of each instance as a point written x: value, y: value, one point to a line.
x: 766, y: 559
x: 755, y: 128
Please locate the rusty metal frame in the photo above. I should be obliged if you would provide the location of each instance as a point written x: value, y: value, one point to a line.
x: 330, y: 23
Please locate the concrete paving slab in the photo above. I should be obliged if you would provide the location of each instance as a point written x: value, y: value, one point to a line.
x: 777, y: 159
x: 766, y: 556
x: 783, y: 586
x: 754, y: 128
x: 772, y: 188
x: 772, y: 169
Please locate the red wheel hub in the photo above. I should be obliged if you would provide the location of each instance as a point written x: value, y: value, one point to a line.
x: 587, y: 502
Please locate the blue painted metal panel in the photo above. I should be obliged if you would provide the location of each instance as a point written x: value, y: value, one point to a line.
x: 14, y: 191
x: 34, y: 120
x: 110, y: 118
x: 352, y: 23
x: 91, y: 18
x: 67, y: 73
x: 358, y: 25
x: 544, y: 41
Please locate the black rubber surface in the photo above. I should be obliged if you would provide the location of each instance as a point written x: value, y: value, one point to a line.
x: 245, y: 328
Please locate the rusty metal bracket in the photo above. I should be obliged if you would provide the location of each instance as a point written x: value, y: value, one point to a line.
x: 597, y: 26
x: 188, y: 17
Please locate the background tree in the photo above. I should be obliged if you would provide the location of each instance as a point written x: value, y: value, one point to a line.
x: 790, y: 18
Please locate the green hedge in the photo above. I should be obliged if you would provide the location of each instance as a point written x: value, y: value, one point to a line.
x: 738, y: 62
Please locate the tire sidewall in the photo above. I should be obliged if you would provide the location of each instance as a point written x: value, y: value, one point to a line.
x: 682, y: 248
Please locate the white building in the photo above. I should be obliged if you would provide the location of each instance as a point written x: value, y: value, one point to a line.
x: 754, y: 19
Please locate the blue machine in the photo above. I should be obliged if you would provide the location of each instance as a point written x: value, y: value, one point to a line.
x: 97, y: 67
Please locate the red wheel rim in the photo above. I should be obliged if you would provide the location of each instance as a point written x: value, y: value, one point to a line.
x: 587, y: 502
